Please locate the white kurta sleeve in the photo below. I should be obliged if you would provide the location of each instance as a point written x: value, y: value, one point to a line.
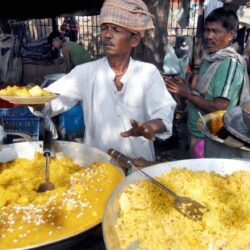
x: 69, y: 88
x: 160, y: 104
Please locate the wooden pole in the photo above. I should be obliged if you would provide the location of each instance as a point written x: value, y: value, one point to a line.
x: 54, y: 24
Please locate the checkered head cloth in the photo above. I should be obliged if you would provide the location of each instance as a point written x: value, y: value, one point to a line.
x: 130, y: 14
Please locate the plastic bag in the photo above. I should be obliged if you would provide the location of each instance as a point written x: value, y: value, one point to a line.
x: 174, y: 65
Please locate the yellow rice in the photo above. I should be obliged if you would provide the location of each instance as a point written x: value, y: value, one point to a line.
x: 149, y: 221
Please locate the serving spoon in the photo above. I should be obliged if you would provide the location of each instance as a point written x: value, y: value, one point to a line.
x: 185, y: 205
x: 46, y: 185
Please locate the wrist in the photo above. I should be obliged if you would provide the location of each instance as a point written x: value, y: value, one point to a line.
x: 189, y: 95
x: 187, y: 92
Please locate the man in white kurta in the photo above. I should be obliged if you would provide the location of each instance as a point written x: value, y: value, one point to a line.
x: 107, y: 112
x: 112, y: 99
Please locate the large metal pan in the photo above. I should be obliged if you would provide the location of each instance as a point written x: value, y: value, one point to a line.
x: 111, y: 213
x: 80, y: 153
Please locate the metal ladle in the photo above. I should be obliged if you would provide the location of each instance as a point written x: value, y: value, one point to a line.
x: 47, y: 185
x: 185, y: 205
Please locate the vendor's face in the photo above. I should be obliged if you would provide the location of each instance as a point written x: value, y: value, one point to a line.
x: 117, y: 40
x: 217, y: 37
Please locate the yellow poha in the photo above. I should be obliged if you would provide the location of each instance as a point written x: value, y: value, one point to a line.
x: 148, y: 220
x: 77, y: 203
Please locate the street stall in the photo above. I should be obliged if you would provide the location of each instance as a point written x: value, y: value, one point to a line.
x: 92, y: 204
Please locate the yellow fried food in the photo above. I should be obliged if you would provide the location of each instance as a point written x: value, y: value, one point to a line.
x: 38, y: 91
x: 15, y: 91
x: 25, y: 91
x: 216, y: 123
x: 148, y: 219
x: 77, y: 203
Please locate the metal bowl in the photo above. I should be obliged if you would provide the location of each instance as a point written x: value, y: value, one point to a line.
x: 111, y: 213
x: 80, y: 153
x: 219, y: 143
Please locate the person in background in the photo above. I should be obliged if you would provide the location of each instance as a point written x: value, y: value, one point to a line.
x: 70, y: 28
x: 126, y: 103
x: 222, y: 77
x: 178, y: 57
x: 176, y: 63
x: 73, y: 53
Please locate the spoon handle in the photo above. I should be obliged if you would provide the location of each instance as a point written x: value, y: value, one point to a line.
x: 124, y: 160
x: 47, y: 149
x: 47, y: 141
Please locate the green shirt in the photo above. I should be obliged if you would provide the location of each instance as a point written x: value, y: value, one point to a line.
x: 227, y: 82
x: 78, y: 54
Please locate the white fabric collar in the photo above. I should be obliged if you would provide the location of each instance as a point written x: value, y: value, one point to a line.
x: 125, y: 78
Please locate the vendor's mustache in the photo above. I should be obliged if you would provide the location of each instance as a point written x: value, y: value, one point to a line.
x: 107, y: 43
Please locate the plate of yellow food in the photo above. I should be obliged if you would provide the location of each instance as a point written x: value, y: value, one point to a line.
x: 26, y: 95
x: 83, y: 178
x: 139, y: 215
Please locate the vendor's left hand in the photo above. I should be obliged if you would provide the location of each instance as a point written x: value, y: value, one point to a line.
x: 139, y: 129
x: 177, y: 86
